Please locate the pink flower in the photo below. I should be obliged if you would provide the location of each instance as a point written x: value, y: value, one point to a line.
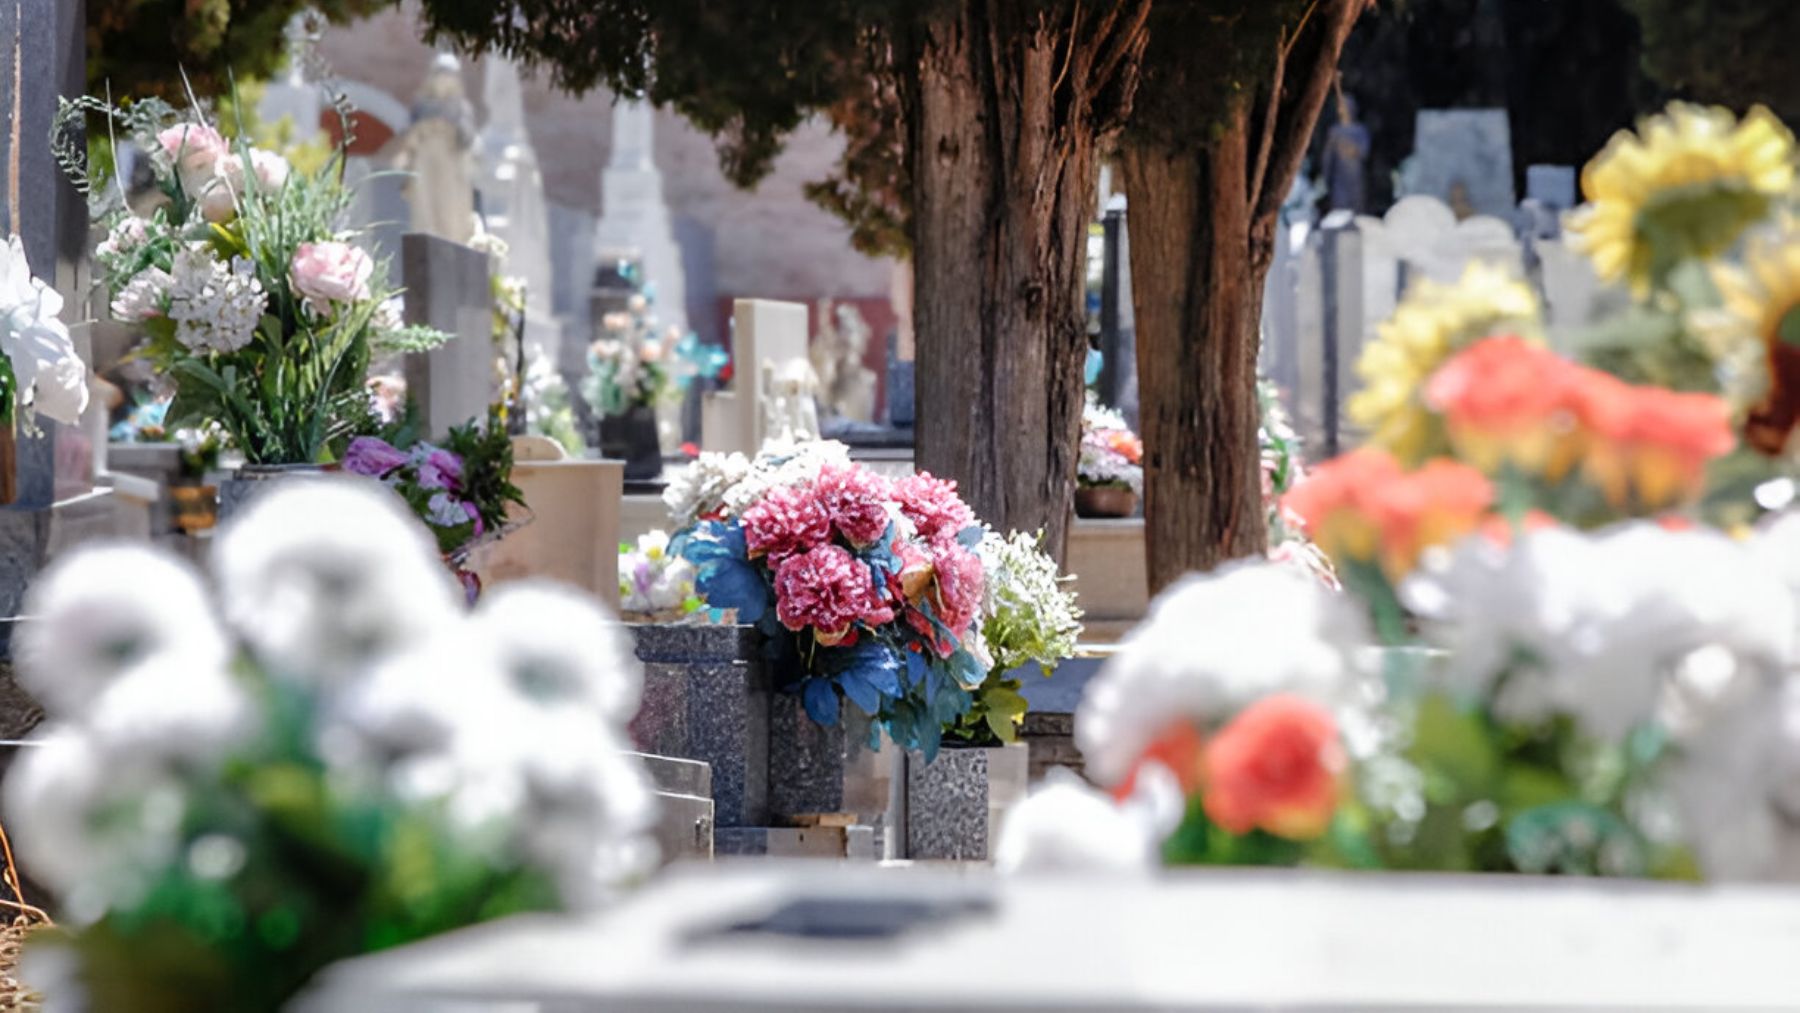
x: 829, y: 590
x: 933, y: 506
x: 955, y: 596
x: 786, y: 521
x: 194, y: 149
x: 440, y: 469
x: 271, y: 170
x: 856, y: 499
x: 330, y: 272
x: 372, y: 456
x: 474, y: 513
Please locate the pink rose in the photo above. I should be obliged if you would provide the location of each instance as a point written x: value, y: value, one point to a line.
x: 329, y: 273
x: 856, y: 499
x: 933, y: 506
x: 194, y: 149
x: 270, y: 169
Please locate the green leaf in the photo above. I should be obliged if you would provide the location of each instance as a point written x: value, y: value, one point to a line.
x: 1456, y: 745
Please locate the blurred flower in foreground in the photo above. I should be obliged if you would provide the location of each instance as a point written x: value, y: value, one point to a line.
x: 1067, y: 826
x: 1759, y: 327
x: 1361, y: 508
x: 1684, y: 186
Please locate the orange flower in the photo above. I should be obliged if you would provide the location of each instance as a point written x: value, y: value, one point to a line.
x: 1361, y: 508
x: 1506, y: 401
x: 1336, y: 503
x: 1180, y: 749
x: 1126, y: 444
x: 1649, y: 445
x: 1435, y: 505
x: 1278, y: 766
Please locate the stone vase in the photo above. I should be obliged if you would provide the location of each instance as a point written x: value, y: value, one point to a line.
x: 957, y: 803
x: 632, y: 438
x: 242, y: 486
x: 825, y: 775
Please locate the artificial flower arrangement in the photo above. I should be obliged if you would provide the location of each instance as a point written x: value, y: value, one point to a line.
x: 654, y: 583
x: 866, y: 589
x: 1112, y: 456
x: 40, y: 370
x: 628, y: 367
x: 328, y: 757
x: 256, y: 304
x: 1583, y: 652
x: 462, y: 490
x: 1028, y: 617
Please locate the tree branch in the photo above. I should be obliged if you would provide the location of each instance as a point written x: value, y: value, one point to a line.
x: 1296, y: 118
x: 1271, y: 109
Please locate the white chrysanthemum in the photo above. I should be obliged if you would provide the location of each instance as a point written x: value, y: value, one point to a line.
x: 1027, y: 612
x: 1212, y: 644
x: 700, y: 487
x: 782, y: 464
x: 143, y: 297
x: 1599, y: 623
x: 1067, y: 826
x: 556, y: 645
x: 126, y: 235
x: 48, y: 373
x: 322, y: 577
x: 99, y: 611
x: 216, y: 306
x: 590, y: 818
x: 170, y: 708
x: 88, y: 828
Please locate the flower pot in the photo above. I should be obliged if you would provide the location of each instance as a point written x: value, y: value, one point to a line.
x: 632, y: 438
x: 1105, y: 501
x: 957, y: 803
x: 252, y: 480
x: 822, y: 775
x: 196, y: 506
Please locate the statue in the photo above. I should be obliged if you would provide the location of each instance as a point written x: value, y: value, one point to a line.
x: 790, y: 411
x: 847, y: 387
x: 437, y: 150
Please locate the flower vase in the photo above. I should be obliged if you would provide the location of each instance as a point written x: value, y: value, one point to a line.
x: 9, y: 464
x: 957, y: 803
x: 1105, y: 501
x: 242, y: 486
x: 632, y: 438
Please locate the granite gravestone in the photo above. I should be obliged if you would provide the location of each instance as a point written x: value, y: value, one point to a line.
x: 447, y: 288
x: 1463, y: 157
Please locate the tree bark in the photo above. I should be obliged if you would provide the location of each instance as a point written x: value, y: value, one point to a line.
x: 1203, y: 216
x: 1198, y: 301
x: 1005, y: 103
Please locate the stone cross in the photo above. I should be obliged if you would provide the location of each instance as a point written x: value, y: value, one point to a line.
x: 765, y: 335
x: 447, y: 288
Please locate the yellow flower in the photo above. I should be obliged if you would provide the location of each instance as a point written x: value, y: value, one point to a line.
x: 1756, y: 330
x: 1685, y: 185
x: 1430, y: 324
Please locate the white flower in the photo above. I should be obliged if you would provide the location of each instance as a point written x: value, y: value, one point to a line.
x: 325, y: 575
x: 143, y: 297
x: 700, y: 487
x: 1599, y: 623
x: 1067, y: 826
x: 1212, y: 644
x: 555, y: 645
x: 1027, y: 613
x: 36, y: 342
x: 170, y: 707
x: 126, y: 235
x: 782, y: 464
x: 216, y: 306
x: 99, y: 611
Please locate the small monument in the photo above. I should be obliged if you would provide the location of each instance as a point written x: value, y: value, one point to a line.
x: 633, y: 215
x: 512, y: 201
x: 789, y: 401
x: 437, y: 151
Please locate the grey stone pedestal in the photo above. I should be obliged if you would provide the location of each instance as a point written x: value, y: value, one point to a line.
x: 957, y: 803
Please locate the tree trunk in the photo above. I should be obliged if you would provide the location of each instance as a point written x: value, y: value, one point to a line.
x: 1198, y: 299
x: 1004, y: 109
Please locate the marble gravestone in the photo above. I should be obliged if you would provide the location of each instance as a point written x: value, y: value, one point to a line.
x: 765, y: 335
x: 447, y: 288
x: 1463, y: 157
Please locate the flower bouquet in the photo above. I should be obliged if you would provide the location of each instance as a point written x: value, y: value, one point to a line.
x: 461, y: 490
x: 628, y: 377
x: 1569, y: 635
x: 867, y: 589
x: 1027, y: 617
x: 1109, y: 474
x: 255, y: 304
x: 334, y: 758
x: 655, y: 585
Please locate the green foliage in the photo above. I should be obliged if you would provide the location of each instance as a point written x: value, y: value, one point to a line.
x: 487, y: 455
x: 1736, y: 53
x: 143, y: 47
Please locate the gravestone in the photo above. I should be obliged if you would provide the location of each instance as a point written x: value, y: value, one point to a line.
x: 1332, y: 330
x: 447, y: 288
x: 633, y: 214
x: 512, y: 201
x: 41, y: 56
x: 1118, y: 321
x: 764, y: 335
x: 1552, y: 185
x: 1463, y: 157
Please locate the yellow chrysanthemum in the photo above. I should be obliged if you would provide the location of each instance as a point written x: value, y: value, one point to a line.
x: 1756, y: 332
x: 1685, y: 185
x: 1433, y: 321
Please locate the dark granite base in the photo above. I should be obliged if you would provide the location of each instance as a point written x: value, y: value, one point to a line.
x: 706, y: 698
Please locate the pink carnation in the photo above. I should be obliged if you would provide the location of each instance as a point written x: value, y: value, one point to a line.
x: 955, y: 596
x: 786, y: 521
x: 830, y: 590
x: 857, y: 501
x: 933, y: 506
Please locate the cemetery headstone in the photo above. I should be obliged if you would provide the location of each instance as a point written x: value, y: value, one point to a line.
x: 447, y: 288
x: 764, y: 334
x: 1463, y: 156
x: 1554, y: 185
x: 633, y: 213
